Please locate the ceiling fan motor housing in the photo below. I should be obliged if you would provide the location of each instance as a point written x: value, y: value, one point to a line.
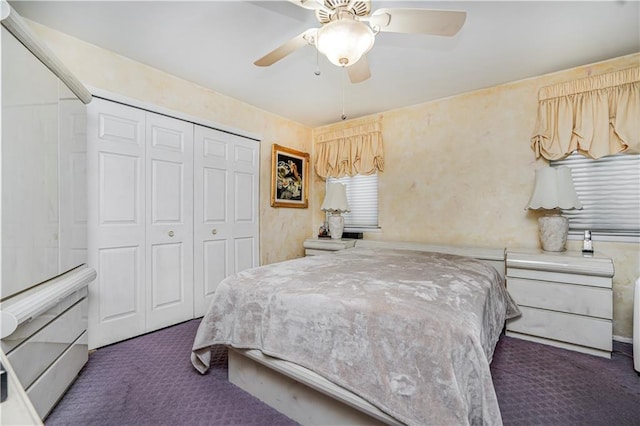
x: 327, y: 14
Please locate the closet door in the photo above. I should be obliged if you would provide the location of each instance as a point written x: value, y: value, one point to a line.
x: 226, y: 174
x: 169, y: 224
x: 116, y: 216
x: 245, y: 217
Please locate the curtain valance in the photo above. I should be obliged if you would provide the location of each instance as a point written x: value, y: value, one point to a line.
x: 350, y: 151
x: 597, y: 116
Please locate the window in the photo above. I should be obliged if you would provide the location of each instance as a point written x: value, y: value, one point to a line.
x: 362, y: 194
x: 609, y: 190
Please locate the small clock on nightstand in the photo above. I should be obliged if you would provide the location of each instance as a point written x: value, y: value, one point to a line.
x: 315, y: 246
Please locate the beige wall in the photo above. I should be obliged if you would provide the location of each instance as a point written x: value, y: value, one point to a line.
x: 460, y: 171
x: 282, y: 230
x: 457, y: 170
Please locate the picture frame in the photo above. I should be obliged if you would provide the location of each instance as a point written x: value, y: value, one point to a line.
x: 289, y: 178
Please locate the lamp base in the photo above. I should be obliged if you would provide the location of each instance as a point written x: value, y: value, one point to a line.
x: 336, y: 226
x: 553, y: 232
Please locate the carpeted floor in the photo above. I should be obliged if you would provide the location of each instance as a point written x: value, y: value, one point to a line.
x: 541, y: 385
x: 149, y: 380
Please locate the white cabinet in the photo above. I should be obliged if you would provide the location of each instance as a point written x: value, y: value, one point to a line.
x: 565, y: 298
x: 43, y: 306
x: 172, y: 211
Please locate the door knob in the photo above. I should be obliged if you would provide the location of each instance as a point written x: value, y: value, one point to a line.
x: 171, y: 234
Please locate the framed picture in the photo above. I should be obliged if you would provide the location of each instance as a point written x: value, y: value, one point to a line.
x: 289, y: 178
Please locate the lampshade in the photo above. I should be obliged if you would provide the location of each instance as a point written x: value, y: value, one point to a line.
x: 344, y: 41
x: 554, y: 190
x: 335, y: 200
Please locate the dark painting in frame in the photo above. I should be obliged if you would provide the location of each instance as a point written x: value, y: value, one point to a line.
x: 289, y: 178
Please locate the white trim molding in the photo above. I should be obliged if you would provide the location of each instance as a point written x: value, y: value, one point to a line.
x: 122, y: 99
x: 24, y: 307
x: 14, y: 23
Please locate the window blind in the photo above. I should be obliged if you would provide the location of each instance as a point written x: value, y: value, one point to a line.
x: 362, y: 195
x: 609, y: 190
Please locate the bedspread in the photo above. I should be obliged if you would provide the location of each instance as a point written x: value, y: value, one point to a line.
x: 411, y: 332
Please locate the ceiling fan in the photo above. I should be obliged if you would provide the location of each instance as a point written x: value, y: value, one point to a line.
x: 349, y: 28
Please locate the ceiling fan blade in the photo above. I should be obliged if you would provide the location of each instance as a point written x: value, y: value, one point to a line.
x: 421, y: 21
x: 287, y: 48
x: 359, y: 71
x: 310, y: 4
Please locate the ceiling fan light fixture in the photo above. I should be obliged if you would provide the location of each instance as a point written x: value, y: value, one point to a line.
x: 344, y: 41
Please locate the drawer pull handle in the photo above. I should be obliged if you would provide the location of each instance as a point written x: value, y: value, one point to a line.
x: 171, y: 234
x: 214, y: 231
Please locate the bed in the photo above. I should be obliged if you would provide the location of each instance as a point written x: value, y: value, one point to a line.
x: 395, y: 333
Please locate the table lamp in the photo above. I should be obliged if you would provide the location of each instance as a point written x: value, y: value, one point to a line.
x: 335, y: 202
x: 553, y: 192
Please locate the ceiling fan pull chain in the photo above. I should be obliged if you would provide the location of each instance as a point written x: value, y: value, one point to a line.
x: 317, y: 71
x: 344, y: 77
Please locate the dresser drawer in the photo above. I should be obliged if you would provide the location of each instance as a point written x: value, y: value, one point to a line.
x: 29, y: 328
x: 560, y: 277
x: 316, y: 252
x: 576, y: 329
x: 37, y: 353
x: 575, y: 299
x: 45, y: 392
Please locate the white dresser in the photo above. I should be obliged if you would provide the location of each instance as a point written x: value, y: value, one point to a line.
x: 44, y: 336
x: 566, y: 299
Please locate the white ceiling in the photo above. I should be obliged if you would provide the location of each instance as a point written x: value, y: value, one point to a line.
x: 214, y: 44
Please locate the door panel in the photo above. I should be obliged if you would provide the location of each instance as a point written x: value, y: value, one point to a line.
x: 245, y: 223
x: 215, y: 195
x: 225, y: 209
x: 118, y: 280
x: 166, y: 138
x: 244, y: 253
x: 214, y: 148
x: 169, y: 226
x: 244, y: 208
x: 120, y: 129
x: 119, y: 189
x: 115, y: 161
x: 167, y: 192
x: 167, y: 275
x: 215, y: 265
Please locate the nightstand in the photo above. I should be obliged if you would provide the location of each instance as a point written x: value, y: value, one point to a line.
x: 315, y: 246
x: 566, y: 299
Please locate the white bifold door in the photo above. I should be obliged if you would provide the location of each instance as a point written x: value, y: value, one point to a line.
x: 142, y: 206
x: 169, y: 221
x: 226, y: 222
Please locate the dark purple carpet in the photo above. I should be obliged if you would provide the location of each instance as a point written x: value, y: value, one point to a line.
x: 542, y: 385
x: 149, y: 380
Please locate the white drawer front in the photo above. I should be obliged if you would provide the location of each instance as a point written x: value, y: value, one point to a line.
x: 576, y: 299
x: 27, y: 329
x: 560, y: 277
x: 315, y: 252
x: 37, y: 353
x: 51, y: 385
x: 580, y: 330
